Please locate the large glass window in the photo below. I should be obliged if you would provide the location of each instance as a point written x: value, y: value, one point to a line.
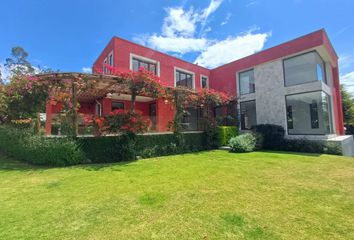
x: 309, y: 113
x: 138, y: 63
x: 304, y: 68
x: 246, y: 82
x: 184, y: 79
x: 248, y: 114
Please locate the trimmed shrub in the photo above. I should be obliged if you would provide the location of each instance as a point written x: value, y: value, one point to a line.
x: 128, y: 147
x: 243, y: 143
x: 35, y: 149
x: 225, y: 133
x: 273, y: 135
x: 311, y: 146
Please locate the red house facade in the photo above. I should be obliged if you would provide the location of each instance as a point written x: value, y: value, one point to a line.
x: 295, y: 85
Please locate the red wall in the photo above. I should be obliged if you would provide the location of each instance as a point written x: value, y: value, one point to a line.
x: 121, y: 57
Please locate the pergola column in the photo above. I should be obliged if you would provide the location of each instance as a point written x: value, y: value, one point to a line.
x: 49, y: 117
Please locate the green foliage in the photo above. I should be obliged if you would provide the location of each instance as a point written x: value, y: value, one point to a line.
x: 348, y: 106
x: 243, y: 143
x: 39, y: 150
x: 273, y: 135
x: 109, y: 148
x: 225, y: 133
x: 311, y: 146
x: 126, y: 147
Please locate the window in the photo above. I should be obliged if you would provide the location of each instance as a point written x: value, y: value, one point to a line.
x: 248, y: 115
x: 149, y: 66
x: 289, y: 113
x: 98, y: 109
x: 184, y: 79
x: 110, y: 59
x: 305, y: 68
x: 105, y: 70
x: 246, y: 82
x: 117, y: 105
x: 309, y: 113
x: 204, y: 82
x: 314, y: 115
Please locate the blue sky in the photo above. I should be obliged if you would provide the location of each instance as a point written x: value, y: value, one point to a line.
x: 69, y: 35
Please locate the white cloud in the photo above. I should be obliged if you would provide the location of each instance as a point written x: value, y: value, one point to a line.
x: 86, y: 70
x: 231, y: 49
x: 348, y: 81
x: 179, y: 23
x: 346, y: 61
x: 251, y: 3
x: 177, y: 44
x: 179, y: 28
x: 226, y: 20
x: 184, y: 31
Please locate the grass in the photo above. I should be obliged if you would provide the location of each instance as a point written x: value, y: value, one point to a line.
x: 208, y: 195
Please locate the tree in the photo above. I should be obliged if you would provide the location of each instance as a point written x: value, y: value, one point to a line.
x: 348, y: 106
x: 18, y: 64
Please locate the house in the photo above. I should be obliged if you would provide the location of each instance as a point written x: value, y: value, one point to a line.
x: 295, y: 85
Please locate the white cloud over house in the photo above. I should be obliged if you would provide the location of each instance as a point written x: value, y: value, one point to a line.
x: 231, y: 49
x: 184, y: 31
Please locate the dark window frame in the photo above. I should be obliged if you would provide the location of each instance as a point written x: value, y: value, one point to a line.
x: 298, y: 55
x: 239, y: 81
x: 119, y: 102
x: 309, y: 134
x: 141, y: 62
x: 178, y: 79
x: 246, y: 129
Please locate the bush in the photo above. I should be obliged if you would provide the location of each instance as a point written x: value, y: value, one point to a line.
x: 25, y: 146
x: 273, y: 135
x: 243, y: 143
x: 311, y: 146
x: 127, y: 147
x: 349, y: 129
x: 225, y: 133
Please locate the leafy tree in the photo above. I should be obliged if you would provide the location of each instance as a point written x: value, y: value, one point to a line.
x: 348, y: 106
x: 18, y: 64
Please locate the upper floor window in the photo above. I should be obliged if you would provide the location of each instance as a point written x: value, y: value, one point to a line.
x: 246, y: 82
x: 185, y: 79
x: 204, y: 82
x: 305, y: 68
x: 110, y: 59
x: 149, y: 66
x: 105, y: 70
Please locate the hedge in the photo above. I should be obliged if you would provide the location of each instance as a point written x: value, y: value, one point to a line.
x: 25, y: 146
x: 311, y: 146
x: 225, y: 133
x: 128, y: 147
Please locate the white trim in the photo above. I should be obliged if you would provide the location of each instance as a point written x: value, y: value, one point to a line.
x: 132, y: 55
x: 183, y: 70
x: 201, y: 76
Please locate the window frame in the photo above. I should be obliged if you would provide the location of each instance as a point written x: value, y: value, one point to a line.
x: 301, y: 54
x: 177, y: 69
x: 146, y: 60
x: 331, y: 116
x: 111, y: 57
x: 240, y: 112
x: 117, y: 102
x: 104, y: 67
x: 238, y: 74
x: 201, y: 81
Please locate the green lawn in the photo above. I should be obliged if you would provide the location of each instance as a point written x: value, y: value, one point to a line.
x: 208, y: 195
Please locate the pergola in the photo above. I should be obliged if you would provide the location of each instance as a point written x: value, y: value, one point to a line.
x: 96, y: 86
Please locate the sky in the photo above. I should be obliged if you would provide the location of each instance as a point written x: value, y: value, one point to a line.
x: 68, y: 35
